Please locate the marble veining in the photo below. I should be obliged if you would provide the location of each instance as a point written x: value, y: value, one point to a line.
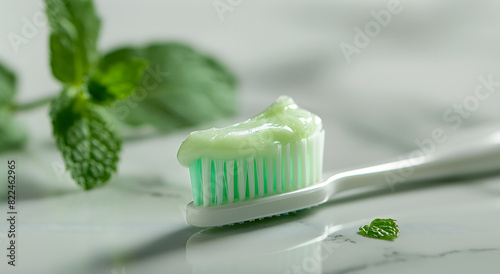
x: 395, y: 257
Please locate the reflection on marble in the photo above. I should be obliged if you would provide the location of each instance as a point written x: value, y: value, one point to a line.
x: 270, y: 246
x: 313, y: 242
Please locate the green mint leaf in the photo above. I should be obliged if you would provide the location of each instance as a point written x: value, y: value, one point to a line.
x: 180, y: 87
x: 12, y: 135
x: 74, y: 28
x: 7, y: 86
x: 88, y: 143
x: 116, y: 81
x: 385, y: 229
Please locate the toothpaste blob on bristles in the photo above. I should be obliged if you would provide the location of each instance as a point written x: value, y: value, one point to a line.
x: 283, y: 122
x: 280, y: 150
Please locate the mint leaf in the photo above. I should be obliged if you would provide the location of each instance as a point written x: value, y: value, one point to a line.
x: 74, y: 27
x: 116, y: 81
x: 12, y: 135
x: 88, y: 142
x: 385, y: 229
x: 181, y: 87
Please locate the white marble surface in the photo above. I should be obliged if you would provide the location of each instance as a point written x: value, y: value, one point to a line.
x: 373, y: 109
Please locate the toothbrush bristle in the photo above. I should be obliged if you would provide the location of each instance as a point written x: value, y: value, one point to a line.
x: 296, y: 165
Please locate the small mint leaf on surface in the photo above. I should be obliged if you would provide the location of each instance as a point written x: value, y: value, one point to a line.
x: 385, y: 229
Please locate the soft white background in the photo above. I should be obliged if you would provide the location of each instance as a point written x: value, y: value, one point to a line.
x: 395, y: 91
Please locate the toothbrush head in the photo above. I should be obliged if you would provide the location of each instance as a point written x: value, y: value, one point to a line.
x: 268, y: 165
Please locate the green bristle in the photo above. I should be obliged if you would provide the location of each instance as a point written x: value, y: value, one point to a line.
x: 224, y: 188
x: 196, y: 182
x: 212, y: 182
x: 236, y: 188
x: 304, y: 170
x: 247, y: 195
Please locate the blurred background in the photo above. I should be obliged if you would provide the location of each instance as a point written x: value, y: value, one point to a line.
x: 397, y: 88
x: 377, y: 89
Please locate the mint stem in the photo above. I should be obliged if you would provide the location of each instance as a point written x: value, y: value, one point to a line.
x: 34, y: 104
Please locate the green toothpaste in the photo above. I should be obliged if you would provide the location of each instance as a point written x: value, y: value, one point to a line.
x: 283, y: 122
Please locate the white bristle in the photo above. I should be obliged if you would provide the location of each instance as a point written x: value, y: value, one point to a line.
x: 206, y: 170
x: 294, y: 153
x: 313, y: 146
x: 296, y: 165
x: 302, y: 144
x: 242, y: 178
x: 219, y: 181
x: 320, y: 151
x: 286, y: 164
x: 269, y: 176
x: 230, y: 181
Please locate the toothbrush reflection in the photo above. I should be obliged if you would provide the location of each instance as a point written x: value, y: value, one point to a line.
x: 268, y: 246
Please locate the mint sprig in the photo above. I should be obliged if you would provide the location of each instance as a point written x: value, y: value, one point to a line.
x: 385, y: 229
x: 166, y: 85
x: 88, y: 141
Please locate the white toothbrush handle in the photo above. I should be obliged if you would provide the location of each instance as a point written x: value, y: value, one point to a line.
x: 472, y: 158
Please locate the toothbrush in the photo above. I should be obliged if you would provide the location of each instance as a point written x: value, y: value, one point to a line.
x: 218, y: 184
